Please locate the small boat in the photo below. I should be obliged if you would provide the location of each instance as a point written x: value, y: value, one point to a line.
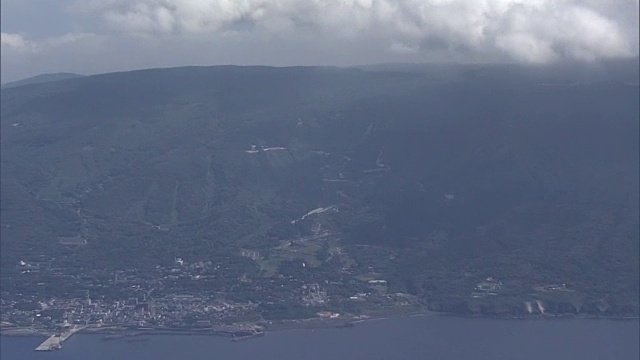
x: 347, y: 324
x: 137, y: 339
x: 113, y: 337
x: 249, y: 337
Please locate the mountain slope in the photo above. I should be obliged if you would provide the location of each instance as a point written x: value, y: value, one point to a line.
x: 434, y: 181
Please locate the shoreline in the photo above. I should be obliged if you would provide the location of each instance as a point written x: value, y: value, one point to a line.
x: 124, y: 332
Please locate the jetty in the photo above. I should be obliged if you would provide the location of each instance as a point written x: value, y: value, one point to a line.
x: 54, y: 342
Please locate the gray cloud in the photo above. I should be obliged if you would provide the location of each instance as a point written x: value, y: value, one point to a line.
x: 284, y: 32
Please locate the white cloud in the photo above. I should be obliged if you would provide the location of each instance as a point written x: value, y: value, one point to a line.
x: 535, y: 31
x: 23, y: 57
x: 116, y: 35
x: 20, y: 43
x: 15, y: 42
x: 400, y: 48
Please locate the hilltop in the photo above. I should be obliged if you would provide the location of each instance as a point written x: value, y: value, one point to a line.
x: 40, y: 79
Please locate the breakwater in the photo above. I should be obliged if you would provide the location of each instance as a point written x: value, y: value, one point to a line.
x: 55, y: 341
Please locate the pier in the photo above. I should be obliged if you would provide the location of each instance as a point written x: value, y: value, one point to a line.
x: 54, y: 342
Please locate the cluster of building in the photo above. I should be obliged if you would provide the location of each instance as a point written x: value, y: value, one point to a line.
x: 488, y: 287
x: 172, y: 311
x: 179, y: 294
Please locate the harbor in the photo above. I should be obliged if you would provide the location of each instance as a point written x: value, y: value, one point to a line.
x: 55, y: 341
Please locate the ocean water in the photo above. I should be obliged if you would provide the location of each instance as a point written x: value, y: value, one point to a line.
x: 420, y: 337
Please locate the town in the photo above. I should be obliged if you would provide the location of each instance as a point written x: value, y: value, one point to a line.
x: 195, y: 297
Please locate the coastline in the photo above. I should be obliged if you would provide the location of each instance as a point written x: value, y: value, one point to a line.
x: 240, y: 330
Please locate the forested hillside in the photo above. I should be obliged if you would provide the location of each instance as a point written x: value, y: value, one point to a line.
x: 432, y: 178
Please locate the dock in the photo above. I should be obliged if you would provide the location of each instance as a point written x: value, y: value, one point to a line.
x: 55, y: 341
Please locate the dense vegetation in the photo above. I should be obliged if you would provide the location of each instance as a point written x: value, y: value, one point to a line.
x: 435, y: 178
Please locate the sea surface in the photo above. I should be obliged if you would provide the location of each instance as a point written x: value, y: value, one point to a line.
x: 419, y: 337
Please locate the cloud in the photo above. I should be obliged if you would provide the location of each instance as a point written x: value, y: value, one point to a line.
x: 113, y: 35
x: 532, y: 31
x: 20, y: 43
x: 23, y: 56
x: 15, y: 42
x: 400, y: 48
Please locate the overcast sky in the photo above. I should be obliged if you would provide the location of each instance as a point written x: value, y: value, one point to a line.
x: 95, y: 36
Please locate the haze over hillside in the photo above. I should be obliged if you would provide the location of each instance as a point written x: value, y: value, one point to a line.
x: 432, y: 178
